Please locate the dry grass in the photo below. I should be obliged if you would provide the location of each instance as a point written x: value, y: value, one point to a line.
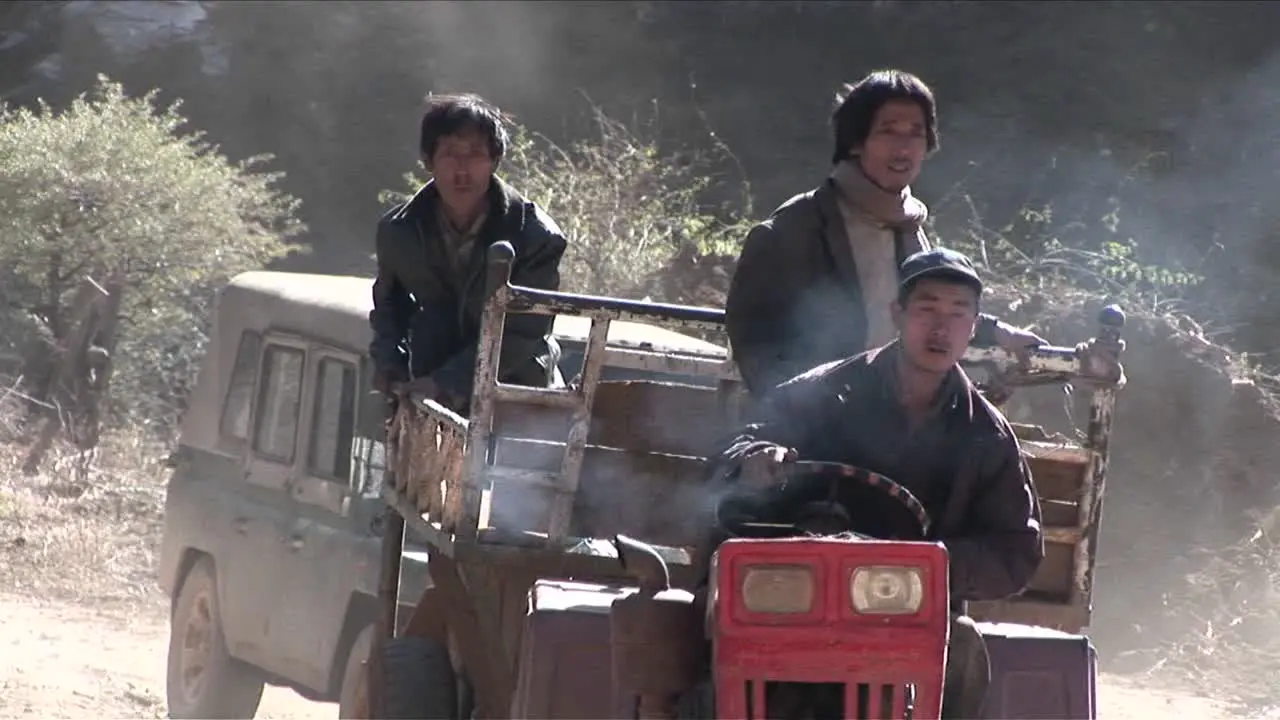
x: 1227, y: 613
x: 1205, y: 537
x: 89, y: 538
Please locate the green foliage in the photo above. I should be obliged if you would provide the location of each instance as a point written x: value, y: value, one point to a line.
x: 1038, y: 252
x: 627, y: 208
x: 111, y: 184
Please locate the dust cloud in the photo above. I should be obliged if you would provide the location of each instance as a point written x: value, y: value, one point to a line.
x: 334, y: 90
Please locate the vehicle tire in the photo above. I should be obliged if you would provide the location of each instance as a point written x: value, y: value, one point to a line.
x: 352, y: 698
x: 203, y: 680
x: 697, y: 703
x: 418, y: 680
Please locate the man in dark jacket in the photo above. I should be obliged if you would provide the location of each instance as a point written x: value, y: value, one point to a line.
x: 428, y: 295
x: 908, y: 412
x: 815, y: 280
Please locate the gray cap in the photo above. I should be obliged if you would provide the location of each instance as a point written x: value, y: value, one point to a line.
x: 939, y: 262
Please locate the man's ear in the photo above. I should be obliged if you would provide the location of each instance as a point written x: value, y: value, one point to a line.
x: 898, y: 313
x: 426, y: 162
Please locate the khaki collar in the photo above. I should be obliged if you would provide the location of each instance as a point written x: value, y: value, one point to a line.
x: 954, y: 394
x: 474, y: 229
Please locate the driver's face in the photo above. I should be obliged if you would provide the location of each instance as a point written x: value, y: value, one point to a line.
x: 937, y: 323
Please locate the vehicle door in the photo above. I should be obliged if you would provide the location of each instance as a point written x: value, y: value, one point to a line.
x: 218, y: 503
x: 328, y: 547
x: 252, y: 580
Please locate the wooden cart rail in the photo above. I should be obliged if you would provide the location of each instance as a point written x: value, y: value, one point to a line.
x: 459, y: 490
x: 561, y: 465
x: 518, y: 490
x: 627, y: 488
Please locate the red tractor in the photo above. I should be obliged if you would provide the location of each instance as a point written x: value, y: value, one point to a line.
x: 828, y: 622
x: 533, y: 615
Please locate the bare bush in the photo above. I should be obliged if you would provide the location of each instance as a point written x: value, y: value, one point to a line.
x: 1036, y: 251
x: 1187, y: 567
x: 1229, y: 647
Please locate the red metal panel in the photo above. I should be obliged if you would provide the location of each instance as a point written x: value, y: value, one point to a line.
x: 832, y: 643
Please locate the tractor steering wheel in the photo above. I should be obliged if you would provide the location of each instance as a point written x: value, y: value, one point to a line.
x: 837, y: 498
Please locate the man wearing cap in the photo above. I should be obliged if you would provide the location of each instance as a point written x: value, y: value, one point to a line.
x: 907, y: 411
x: 815, y: 279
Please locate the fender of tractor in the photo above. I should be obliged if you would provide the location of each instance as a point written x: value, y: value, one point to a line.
x: 1039, y: 673
x: 565, y: 669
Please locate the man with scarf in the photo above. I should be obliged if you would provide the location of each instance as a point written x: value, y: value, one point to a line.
x: 815, y: 281
x: 428, y: 295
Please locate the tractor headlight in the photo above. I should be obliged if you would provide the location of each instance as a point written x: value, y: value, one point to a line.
x: 886, y: 590
x: 778, y: 589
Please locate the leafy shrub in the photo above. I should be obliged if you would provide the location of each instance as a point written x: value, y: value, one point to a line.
x: 1090, y: 252
x: 113, y: 185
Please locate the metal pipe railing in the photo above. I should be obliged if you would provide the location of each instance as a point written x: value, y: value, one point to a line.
x: 1044, y: 365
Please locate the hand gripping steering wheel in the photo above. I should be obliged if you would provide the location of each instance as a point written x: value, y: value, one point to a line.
x: 855, y: 499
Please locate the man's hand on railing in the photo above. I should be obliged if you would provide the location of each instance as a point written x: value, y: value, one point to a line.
x: 423, y: 388
x: 1097, y: 360
x: 1101, y: 359
x: 1017, y: 340
x: 385, y: 380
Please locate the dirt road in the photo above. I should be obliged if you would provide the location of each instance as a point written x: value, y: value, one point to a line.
x: 65, y: 661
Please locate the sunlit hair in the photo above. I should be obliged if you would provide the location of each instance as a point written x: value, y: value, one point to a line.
x: 450, y: 114
x: 856, y: 107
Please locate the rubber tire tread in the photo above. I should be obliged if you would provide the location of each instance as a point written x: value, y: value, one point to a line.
x: 352, y: 696
x: 234, y: 688
x: 418, y: 680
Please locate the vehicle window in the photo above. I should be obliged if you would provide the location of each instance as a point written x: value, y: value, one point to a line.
x: 370, y: 458
x: 236, y: 405
x: 276, y: 424
x: 333, y: 420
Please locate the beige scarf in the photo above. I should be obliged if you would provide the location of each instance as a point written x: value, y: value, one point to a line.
x: 871, y: 216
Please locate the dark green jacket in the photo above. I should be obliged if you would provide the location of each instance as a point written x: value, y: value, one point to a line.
x: 426, y: 317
